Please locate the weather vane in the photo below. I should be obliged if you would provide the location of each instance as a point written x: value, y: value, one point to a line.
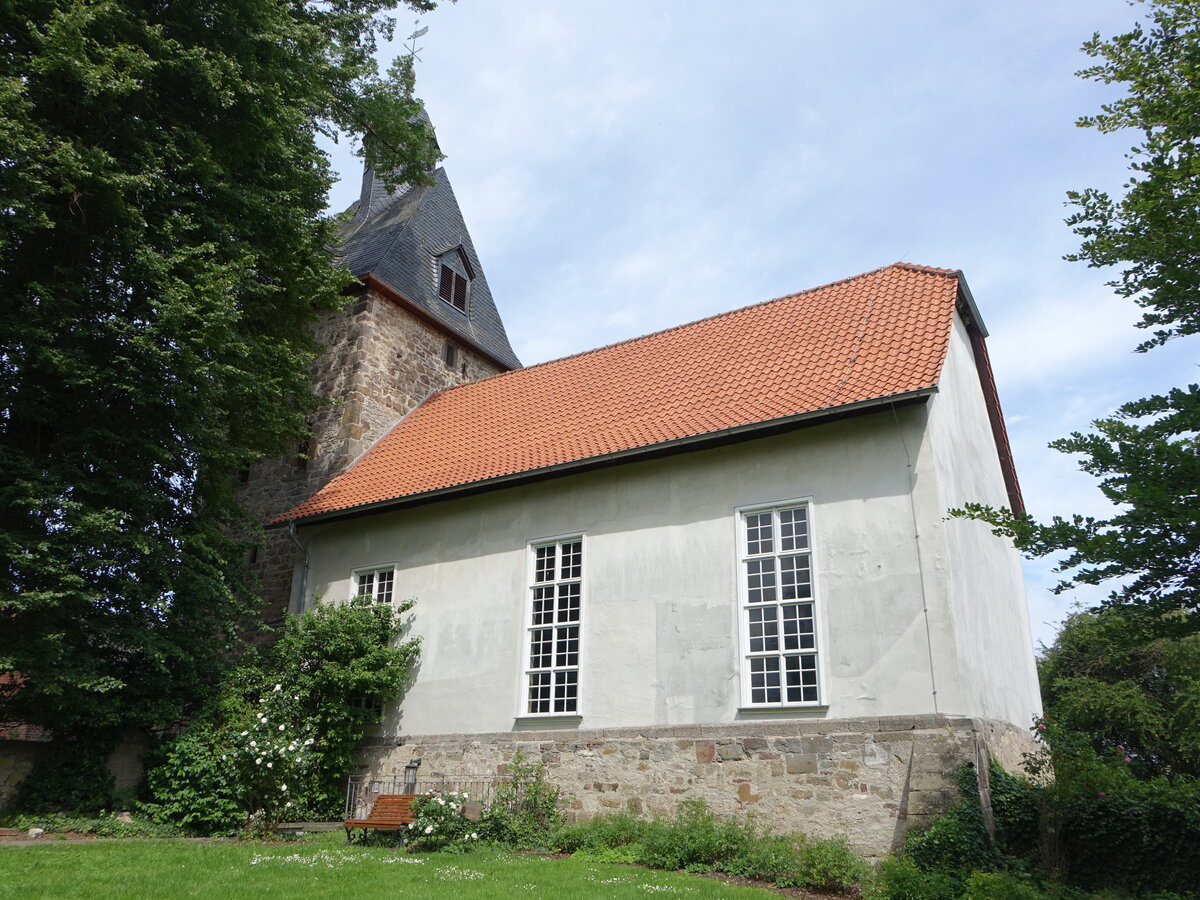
x: 412, y: 41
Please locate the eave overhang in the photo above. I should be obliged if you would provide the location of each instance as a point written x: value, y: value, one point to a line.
x: 649, y: 451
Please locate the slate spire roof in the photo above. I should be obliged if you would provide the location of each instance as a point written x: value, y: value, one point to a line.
x: 394, y: 240
x: 879, y: 336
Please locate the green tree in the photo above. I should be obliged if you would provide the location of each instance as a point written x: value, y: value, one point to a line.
x: 1133, y: 695
x: 1151, y: 230
x: 162, y: 254
x: 1145, y: 455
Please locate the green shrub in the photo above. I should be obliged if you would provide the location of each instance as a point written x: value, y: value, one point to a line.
x: 622, y: 853
x: 900, y: 879
x: 1015, y: 811
x: 767, y: 858
x: 1102, y: 827
x: 957, y: 843
x: 97, y: 826
x: 194, y: 789
x: 1136, y: 836
x: 440, y: 824
x: 829, y: 865
x: 1002, y: 886
x: 601, y: 832
x: 523, y: 812
x: 695, y: 840
x: 694, y: 837
x: 278, y: 737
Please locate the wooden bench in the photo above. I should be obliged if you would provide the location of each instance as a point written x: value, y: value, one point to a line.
x: 390, y: 812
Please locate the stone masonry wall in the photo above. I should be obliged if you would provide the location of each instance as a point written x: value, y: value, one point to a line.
x: 865, y: 779
x: 17, y: 758
x: 380, y: 362
x: 16, y: 761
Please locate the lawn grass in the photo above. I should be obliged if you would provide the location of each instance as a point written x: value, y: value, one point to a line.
x: 177, y: 868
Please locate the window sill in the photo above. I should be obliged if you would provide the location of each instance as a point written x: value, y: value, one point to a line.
x: 814, y: 711
x: 546, y: 723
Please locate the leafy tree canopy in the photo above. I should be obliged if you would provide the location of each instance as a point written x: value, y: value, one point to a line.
x: 1146, y: 454
x: 1134, y: 695
x: 1151, y: 231
x: 162, y: 253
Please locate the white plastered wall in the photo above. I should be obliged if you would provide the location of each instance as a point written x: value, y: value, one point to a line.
x: 659, y: 619
x: 898, y: 614
x: 990, y: 662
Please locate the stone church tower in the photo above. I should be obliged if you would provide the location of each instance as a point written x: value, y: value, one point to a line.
x: 421, y: 319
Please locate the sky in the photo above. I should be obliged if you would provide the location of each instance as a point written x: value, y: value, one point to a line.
x: 625, y: 167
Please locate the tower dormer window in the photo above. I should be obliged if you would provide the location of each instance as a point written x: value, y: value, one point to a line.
x: 454, y: 278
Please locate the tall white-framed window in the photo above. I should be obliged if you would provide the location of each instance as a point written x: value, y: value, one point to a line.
x: 375, y: 584
x: 778, y: 612
x: 552, y: 627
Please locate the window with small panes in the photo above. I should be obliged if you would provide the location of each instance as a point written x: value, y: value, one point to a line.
x: 553, y: 627
x: 778, y: 610
x: 375, y: 585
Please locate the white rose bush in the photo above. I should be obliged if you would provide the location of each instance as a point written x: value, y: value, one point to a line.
x: 278, y: 737
x: 275, y: 757
x: 441, y: 825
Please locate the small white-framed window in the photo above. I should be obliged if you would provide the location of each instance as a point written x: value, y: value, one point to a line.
x: 375, y: 584
x: 552, y: 625
x: 778, y: 611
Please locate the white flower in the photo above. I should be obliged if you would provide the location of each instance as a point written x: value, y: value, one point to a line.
x: 474, y: 836
x: 263, y: 719
x: 279, y: 687
x: 283, y: 787
x: 254, y: 743
x: 289, y: 803
x: 464, y: 795
x: 258, y: 762
x: 441, y: 802
x: 429, y: 829
x: 270, y: 765
x: 309, y: 741
x: 281, y: 728
x: 244, y: 733
x: 296, y: 697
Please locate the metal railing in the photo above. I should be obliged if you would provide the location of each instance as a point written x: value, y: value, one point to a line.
x: 362, y: 790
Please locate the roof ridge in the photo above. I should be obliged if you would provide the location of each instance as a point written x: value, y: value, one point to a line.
x: 915, y: 267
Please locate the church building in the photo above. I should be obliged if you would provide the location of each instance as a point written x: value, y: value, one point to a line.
x: 709, y: 562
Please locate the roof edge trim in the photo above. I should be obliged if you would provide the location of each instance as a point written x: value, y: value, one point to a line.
x: 617, y: 456
x: 964, y: 293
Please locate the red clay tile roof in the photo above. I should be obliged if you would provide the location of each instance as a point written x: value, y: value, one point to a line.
x: 876, y: 335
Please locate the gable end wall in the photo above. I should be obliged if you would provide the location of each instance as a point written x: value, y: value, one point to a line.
x: 980, y: 613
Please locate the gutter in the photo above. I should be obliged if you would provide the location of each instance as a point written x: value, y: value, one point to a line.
x: 724, y: 435
x: 295, y: 538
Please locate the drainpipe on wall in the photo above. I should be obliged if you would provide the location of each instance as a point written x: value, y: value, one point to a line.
x: 304, y: 571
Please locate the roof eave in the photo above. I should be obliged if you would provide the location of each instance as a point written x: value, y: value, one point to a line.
x: 811, y: 417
